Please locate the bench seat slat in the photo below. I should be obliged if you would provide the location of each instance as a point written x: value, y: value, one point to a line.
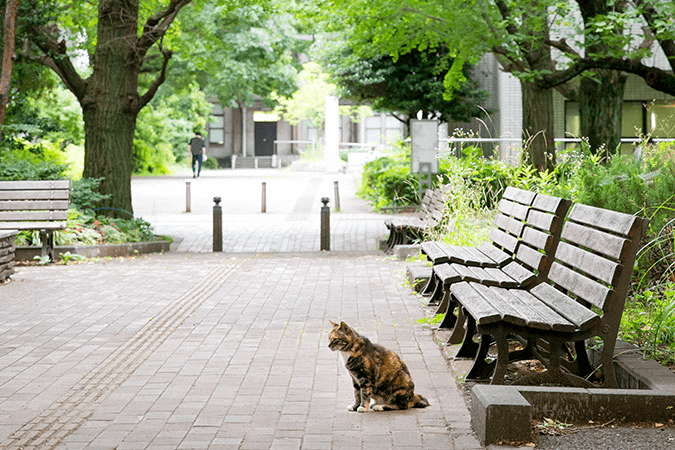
x: 581, y: 286
x: 537, y: 314
x: 447, y: 274
x: 582, y: 317
x: 507, y: 310
x: 519, y: 273
x: 467, y: 255
x: 497, y: 255
x: 480, y: 309
x: 501, y: 278
x: 434, y: 252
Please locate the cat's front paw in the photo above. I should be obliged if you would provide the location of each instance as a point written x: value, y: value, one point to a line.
x: 362, y: 409
x: 352, y: 407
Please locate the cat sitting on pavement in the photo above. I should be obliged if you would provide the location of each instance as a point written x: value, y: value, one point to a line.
x: 377, y: 373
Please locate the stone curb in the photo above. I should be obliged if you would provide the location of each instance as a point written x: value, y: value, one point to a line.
x: 97, y: 251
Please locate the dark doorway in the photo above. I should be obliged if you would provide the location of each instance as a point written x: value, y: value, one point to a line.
x: 265, y: 135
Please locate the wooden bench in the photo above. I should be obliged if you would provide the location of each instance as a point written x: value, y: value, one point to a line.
x: 404, y: 230
x: 497, y: 252
x: 35, y: 205
x: 533, y: 256
x: 582, y: 298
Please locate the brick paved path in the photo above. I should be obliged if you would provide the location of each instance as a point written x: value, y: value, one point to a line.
x: 219, y: 351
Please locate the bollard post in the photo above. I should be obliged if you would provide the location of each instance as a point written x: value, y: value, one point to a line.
x: 325, y: 225
x: 217, y: 226
x: 337, y: 197
x: 264, y: 198
x: 188, y: 205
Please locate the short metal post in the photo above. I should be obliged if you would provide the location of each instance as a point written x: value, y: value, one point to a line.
x: 188, y: 206
x: 264, y: 198
x: 325, y: 225
x: 337, y: 197
x: 217, y: 226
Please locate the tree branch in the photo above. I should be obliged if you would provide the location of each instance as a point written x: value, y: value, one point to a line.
x: 145, y: 98
x: 156, y: 26
x: 55, y: 57
x: 656, y: 78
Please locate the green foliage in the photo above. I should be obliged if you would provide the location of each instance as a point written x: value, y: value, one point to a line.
x: 649, y: 322
x: 405, y: 85
x: 308, y: 102
x: 84, y: 194
x: 20, y: 160
x: 388, y: 181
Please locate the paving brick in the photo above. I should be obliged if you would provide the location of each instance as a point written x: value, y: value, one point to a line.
x: 199, y: 350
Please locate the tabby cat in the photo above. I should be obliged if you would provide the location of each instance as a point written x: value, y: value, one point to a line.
x: 377, y: 373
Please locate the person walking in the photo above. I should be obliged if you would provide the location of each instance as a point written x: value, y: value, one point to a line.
x: 197, y: 149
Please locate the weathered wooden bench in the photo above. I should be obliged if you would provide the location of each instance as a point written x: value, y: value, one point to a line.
x: 511, y: 212
x: 404, y: 230
x: 534, y: 220
x: 533, y: 256
x: 583, y: 297
x: 35, y: 205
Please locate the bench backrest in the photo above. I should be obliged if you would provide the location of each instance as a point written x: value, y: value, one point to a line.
x: 433, y: 204
x: 511, y: 214
x: 33, y: 205
x: 541, y: 233
x: 595, y: 257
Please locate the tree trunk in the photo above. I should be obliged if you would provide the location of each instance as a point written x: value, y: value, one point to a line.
x: 538, y: 126
x: 601, y: 101
x: 7, y: 56
x: 110, y: 108
x: 600, y: 110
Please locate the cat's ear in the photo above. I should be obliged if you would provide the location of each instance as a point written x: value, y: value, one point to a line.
x: 344, y: 325
x: 333, y: 323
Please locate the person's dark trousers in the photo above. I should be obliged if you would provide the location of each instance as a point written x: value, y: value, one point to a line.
x: 196, y: 159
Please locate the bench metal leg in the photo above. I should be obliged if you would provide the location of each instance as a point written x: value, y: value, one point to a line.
x: 47, y: 238
x: 458, y: 329
x: 481, y: 369
x: 469, y: 347
x: 430, y: 286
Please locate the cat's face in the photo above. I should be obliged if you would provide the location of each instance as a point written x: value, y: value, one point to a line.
x: 341, y: 337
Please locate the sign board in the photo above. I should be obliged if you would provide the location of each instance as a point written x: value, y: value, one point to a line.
x: 424, y: 138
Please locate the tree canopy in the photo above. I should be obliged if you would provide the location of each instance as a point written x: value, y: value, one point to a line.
x: 412, y: 82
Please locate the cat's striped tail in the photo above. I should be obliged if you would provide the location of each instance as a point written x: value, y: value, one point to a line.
x: 419, y: 401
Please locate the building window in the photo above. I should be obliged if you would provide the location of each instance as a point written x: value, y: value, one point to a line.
x: 639, y: 118
x: 217, y: 126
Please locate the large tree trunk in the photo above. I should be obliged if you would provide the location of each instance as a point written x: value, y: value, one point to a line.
x: 538, y: 126
x: 600, y: 110
x: 110, y: 106
x: 7, y: 56
x: 600, y: 99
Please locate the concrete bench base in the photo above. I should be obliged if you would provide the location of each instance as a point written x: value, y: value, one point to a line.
x: 7, y: 249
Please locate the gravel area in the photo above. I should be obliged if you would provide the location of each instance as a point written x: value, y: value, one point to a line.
x: 617, y: 438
